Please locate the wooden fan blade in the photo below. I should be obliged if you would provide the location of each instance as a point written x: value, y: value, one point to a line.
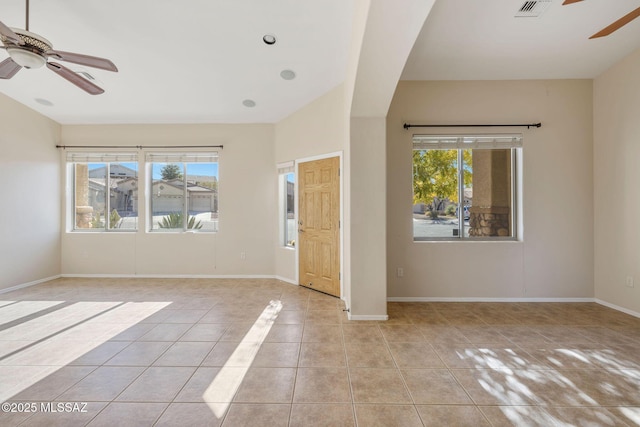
x: 616, y: 25
x: 8, y: 68
x: 81, y: 82
x: 8, y: 34
x: 77, y: 58
x: 566, y: 2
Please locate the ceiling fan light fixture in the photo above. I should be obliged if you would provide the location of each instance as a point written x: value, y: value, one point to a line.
x: 26, y: 58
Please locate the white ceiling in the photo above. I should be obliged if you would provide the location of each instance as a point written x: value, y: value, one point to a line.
x: 187, y: 61
x: 483, y: 40
x: 195, y: 61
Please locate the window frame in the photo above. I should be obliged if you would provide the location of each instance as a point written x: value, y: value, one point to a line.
x: 74, y: 158
x: 183, y: 158
x: 461, y: 142
x: 284, y: 170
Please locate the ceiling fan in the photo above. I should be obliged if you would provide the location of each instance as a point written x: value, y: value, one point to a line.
x: 30, y: 50
x: 614, y: 26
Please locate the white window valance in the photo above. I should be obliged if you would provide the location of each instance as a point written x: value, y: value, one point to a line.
x: 426, y: 142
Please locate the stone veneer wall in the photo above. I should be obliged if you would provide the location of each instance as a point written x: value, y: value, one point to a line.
x: 484, y: 222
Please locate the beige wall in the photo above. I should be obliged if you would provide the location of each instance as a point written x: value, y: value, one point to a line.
x: 30, y: 210
x: 318, y: 129
x: 553, y: 259
x: 617, y: 183
x: 248, y: 190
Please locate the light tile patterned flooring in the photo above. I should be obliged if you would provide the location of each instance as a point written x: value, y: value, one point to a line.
x: 143, y: 352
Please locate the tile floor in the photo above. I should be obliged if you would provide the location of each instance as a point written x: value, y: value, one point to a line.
x: 150, y: 352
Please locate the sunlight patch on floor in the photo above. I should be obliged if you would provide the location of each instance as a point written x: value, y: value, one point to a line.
x: 16, y: 310
x: 224, y: 386
x: 50, y: 342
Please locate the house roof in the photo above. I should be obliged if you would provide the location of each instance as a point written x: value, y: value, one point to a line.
x: 197, y: 61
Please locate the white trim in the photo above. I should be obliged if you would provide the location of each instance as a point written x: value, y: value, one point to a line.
x: 378, y: 317
x: 617, y: 307
x: 287, y: 280
x: 485, y: 299
x: 319, y: 157
x: 174, y: 276
x: 26, y: 285
x: 290, y: 165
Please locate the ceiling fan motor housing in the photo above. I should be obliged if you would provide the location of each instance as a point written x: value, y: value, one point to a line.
x: 31, y: 54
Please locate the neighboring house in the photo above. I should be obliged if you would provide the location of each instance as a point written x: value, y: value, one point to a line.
x: 290, y: 197
x: 95, y: 196
x: 167, y: 197
x: 124, y: 197
x: 468, y: 196
x: 116, y: 171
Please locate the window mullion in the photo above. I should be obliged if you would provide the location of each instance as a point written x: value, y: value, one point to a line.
x: 107, y: 196
x: 185, y: 204
x: 460, y: 193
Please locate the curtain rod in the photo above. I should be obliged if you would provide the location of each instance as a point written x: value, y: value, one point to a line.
x: 139, y: 147
x: 530, y: 125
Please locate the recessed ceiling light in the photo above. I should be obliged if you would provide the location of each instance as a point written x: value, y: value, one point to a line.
x: 250, y: 103
x: 269, y: 39
x: 44, y: 102
x: 288, y: 74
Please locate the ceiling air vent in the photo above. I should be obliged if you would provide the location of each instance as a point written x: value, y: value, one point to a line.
x: 533, y: 8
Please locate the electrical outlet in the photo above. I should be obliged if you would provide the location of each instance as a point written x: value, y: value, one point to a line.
x: 629, y: 282
x: 400, y: 272
x: 243, y: 255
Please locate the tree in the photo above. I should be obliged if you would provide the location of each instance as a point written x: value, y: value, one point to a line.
x: 435, y: 176
x: 171, y: 171
x: 211, y: 185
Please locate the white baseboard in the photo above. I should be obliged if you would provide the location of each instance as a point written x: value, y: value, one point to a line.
x: 380, y: 317
x: 26, y: 285
x: 170, y: 276
x: 485, y: 299
x: 287, y: 280
x: 617, y: 307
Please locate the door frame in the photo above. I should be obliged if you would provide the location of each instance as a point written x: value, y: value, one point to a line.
x: 338, y: 154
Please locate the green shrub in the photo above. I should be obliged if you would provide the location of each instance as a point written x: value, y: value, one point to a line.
x: 114, y: 218
x: 451, y: 210
x: 174, y: 220
x: 96, y: 222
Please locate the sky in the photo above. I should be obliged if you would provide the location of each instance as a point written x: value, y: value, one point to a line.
x: 203, y: 169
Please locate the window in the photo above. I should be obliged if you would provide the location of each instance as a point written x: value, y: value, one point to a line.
x: 183, y: 191
x: 287, y: 203
x: 105, y: 191
x: 464, y: 186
